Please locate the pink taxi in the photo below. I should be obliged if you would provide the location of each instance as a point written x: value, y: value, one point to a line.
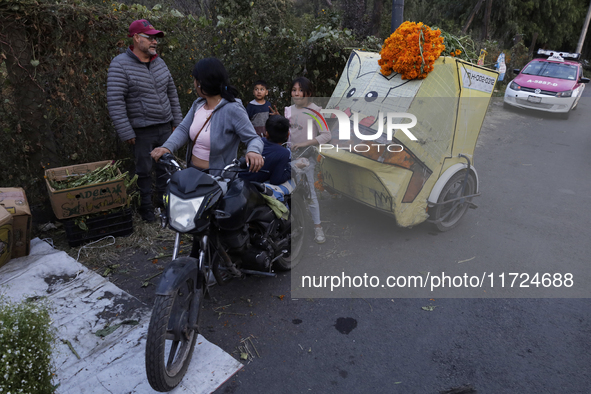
x: 554, y: 83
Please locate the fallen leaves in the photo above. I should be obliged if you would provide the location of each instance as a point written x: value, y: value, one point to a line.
x: 110, y: 329
x: 247, y: 350
x: 222, y: 312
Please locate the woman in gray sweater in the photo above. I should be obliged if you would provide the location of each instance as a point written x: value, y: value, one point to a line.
x: 215, y: 124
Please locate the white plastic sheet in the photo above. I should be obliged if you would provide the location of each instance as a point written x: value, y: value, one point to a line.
x: 83, y: 303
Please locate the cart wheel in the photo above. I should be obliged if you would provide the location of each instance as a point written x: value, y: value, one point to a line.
x: 447, y: 216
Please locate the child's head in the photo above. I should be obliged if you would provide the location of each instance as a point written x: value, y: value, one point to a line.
x: 301, y: 89
x: 277, y: 129
x: 260, y: 90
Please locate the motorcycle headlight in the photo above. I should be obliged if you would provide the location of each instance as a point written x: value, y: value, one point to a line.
x: 182, y: 213
x: 567, y: 93
x: 514, y: 86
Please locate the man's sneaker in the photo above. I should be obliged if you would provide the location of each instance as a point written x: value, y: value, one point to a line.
x: 319, y: 235
x: 148, y: 216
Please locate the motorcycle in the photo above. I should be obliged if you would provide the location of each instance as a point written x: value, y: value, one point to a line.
x: 234, y: 233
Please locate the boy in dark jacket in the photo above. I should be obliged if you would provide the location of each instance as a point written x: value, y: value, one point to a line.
x: 258, y: 109
x: 277, y: 168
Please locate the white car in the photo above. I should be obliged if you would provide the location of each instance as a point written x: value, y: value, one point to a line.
x: 550, y: 84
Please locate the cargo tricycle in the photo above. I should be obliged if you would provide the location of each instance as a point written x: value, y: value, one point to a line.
x: 410, y: 145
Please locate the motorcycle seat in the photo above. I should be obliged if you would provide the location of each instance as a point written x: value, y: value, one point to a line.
x: 280, y: 191
x: 262, y: 188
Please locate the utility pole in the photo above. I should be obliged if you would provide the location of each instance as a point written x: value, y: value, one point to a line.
x: 584, y: 31
x: 397, y: 14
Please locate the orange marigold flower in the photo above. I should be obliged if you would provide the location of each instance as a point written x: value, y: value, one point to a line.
x: 458, y: 52
x: 411, y: 51
x: 318, y: 185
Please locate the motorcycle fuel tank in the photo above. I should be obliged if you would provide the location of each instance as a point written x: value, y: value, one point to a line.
x: 243, y: 203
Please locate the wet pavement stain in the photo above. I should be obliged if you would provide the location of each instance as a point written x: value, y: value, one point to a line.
x: 345, y: 325
x: 55, y: 280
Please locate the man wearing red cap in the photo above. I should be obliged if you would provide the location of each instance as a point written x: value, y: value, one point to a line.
x: 144, y: 107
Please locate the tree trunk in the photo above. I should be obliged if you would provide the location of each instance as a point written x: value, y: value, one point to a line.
x: 532, y: 45
x: 487, y: 19
x: 471, y: 17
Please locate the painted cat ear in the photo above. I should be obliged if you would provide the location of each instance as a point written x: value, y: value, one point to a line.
x: 353, y: 67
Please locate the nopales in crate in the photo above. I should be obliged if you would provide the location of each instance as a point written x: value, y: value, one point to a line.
x: 85, y: 199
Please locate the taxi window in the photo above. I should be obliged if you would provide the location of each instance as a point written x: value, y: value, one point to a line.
x: 551, y: 70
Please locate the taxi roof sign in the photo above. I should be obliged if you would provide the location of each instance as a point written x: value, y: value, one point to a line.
x: 558, y: 56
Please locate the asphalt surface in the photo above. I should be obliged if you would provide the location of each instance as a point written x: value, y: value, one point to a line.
x: 533, y: 216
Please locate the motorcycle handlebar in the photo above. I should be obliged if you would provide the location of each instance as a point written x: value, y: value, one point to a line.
x: 169, y: 160
x: 242, y: 163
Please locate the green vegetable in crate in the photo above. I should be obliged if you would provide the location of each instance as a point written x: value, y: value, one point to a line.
x: 110, y: 172
x: 81, y: 223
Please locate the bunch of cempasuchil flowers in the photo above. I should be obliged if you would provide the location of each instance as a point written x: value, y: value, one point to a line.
x: 411, y: 51
x: 26, y: 341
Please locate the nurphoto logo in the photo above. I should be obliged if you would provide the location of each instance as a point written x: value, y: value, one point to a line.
x: 344, y: 134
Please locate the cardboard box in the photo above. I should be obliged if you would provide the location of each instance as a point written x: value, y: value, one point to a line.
x: 84, y: 200
x: 14, y: 200
x: 5, y: 236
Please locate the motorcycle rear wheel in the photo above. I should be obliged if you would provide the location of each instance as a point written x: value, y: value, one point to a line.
x: 298, y: 236
x: 171, y: 342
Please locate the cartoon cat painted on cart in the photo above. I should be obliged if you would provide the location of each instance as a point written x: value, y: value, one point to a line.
x: 365, y: 90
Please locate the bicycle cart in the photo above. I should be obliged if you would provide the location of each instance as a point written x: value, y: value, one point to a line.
x: 429, y: 178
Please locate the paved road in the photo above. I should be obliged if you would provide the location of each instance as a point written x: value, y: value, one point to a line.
x: 532, y: 217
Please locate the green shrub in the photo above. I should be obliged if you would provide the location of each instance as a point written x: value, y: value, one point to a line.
x: 26, y: 341
x: 54, y: 57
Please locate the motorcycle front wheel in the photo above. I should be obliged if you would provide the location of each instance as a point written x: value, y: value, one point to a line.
x: 170, y: 342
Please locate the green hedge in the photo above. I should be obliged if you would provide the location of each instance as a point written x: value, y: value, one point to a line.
x: 56, y: 55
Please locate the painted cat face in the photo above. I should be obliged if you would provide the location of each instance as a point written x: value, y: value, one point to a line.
x: 366, y: 90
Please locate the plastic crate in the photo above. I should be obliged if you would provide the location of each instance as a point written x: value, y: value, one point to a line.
x: 117, y: 224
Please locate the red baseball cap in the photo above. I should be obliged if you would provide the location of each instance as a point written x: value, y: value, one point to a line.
x: 143, y: 26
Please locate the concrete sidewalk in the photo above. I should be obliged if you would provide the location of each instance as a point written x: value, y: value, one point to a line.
x: 84, y: 303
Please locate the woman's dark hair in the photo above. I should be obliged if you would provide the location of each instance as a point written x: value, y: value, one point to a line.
x: 213, y: 78
x: 305, y: 85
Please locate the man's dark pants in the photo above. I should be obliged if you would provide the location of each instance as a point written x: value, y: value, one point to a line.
x: 148, y: 138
